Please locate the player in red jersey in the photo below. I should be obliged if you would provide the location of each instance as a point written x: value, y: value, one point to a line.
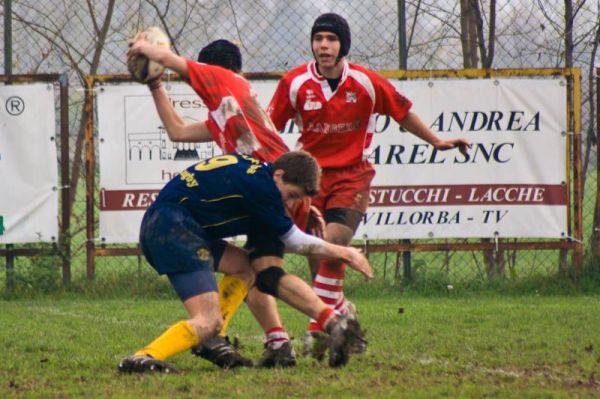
x: 237, y: 123
x: 335, y: 103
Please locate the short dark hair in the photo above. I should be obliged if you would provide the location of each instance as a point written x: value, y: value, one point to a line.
x: 222, y: 53
x: 301, y: 169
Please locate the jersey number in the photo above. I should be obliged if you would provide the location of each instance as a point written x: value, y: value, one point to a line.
x: 216, y: 162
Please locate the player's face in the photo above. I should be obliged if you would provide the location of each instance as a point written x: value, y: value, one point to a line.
x: 326, y: 48
x: 290, y: 193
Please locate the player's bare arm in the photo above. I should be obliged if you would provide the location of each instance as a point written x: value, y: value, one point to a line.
x: 416, y: 126
x: 177, y: 129
x: 161, y: 54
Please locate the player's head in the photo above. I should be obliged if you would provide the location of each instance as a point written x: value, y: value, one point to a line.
x: 334, y: 23
x: 223, y: 53
x: 300, y: 170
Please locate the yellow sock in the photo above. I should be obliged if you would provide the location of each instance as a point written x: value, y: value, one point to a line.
x: 232, y: 292
x: 177, y: 338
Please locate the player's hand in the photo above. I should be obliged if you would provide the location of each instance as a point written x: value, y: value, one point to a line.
x: 316, y: 223
x: 137, y: 45
x: 462, y: 144
x: 138, y: 36
x: 357, y: 261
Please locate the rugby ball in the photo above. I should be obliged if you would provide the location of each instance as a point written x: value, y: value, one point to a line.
x: 140, y: 67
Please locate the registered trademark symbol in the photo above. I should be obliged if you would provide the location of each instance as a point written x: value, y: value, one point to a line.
x: 15, y: 105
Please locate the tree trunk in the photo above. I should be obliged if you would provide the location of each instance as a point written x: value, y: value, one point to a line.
x: 468, y: 34
x: 486, y: 52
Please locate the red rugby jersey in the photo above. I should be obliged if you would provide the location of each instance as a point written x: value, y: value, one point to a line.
x: 235, y: 118
x: 335, y: 127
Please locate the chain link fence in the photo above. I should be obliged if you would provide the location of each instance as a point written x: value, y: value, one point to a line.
x: 89, y: 38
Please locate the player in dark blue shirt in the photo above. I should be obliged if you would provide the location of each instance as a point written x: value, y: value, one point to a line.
x: 182, y: 236
x: 229, y: 195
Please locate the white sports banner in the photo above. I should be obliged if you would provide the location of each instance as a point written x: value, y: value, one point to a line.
x: 510, y: 184
x: 136, y: 156
x: 28, y: 164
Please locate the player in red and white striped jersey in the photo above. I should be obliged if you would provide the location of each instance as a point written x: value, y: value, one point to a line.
x: 334, y: 103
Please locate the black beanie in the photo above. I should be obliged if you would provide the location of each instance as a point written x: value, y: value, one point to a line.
x: 331, y: 22
x: 223, y: 53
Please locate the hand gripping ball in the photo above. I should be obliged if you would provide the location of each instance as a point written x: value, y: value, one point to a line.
x: 141, y: 68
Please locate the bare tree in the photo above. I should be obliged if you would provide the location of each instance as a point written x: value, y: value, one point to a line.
x: 53, y: 33
x: 486, y: 50
x: 472, y: 41
x: 174, y: 31
x: 468, y: 37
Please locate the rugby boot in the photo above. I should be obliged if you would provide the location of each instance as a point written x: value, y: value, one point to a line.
x: 360, y: 344
x: 218, y: 350
x: 284, y: 356
x: 343, y: 334
x: 315, y: 345
x: 145, y: 364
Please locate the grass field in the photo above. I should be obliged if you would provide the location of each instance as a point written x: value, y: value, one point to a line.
x: 471, y: 346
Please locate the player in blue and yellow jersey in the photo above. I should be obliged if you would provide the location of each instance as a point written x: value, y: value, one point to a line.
x: 236, y: 123
x: 182, y: 236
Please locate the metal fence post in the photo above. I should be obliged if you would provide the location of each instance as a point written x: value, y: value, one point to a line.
x: 90, y: 172
x: 596, y: 227
x: 10, y: 268
x: 8, y: 37
x: 65, y: 231
x: 10, y: 259
x: 402, y: 49
x: 407, y: 264
x: 577, y: 169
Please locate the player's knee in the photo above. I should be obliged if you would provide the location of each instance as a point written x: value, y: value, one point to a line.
x: 268, y: 280
x: 247, y: 276
x: 207, y: 324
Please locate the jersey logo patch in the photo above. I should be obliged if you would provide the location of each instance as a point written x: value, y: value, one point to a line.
x: 351, y: 96
x: 312, y: 105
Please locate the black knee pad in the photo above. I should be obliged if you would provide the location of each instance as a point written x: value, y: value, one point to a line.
x: 267, y: 280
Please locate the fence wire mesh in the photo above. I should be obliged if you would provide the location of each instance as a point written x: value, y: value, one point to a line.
x: 87, y: 38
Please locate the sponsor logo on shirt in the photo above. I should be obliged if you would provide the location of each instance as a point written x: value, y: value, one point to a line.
x: 324, y: 127
x: 312, y: 105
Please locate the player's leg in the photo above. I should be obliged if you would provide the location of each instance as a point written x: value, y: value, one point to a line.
x: 232, y: 292
x: 234, y: 263
x: 328, y: 284
x: 197, y: 290
x: 344, y: 200
x: 343, y: 331
x: 278, y: 350
x: 233, y: 287
x: 202, y: 324
x: 187, y: 260
x: 329, y: 280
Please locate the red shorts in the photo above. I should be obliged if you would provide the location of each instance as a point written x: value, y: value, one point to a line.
x: 345, y: 187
